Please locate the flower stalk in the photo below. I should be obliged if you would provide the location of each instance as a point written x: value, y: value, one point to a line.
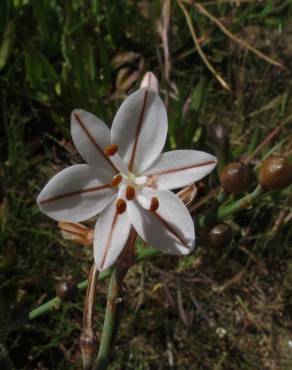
x: 114, y: 302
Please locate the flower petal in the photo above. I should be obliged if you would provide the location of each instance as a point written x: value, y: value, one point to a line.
x: 111, y: 234
x: 180, y: 168
x: 91, y: 136
x: 75, y: 194
x: 139, y: 129
x: 170, y: 228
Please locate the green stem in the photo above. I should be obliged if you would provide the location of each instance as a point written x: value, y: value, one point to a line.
x: 109, y: 321
x: 114, y: 301
x: 224, y: 212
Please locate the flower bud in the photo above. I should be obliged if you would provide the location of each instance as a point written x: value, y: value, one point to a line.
x: 66, y: 290
x: 220, y: 235
x: 235, y: 178
x: 188, y: 194
x: 76, y: 232
x: 275, y: 173
x: 150, y: 81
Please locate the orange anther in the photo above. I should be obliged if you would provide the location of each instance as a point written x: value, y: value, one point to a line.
x: 130, y: 193
x: 117, y: 180
x: 111, y: 150
x: 121, y: 206
x: 154, y: 204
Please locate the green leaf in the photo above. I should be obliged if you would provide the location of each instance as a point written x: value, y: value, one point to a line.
x: 198, y: 95
x: 6, y: 44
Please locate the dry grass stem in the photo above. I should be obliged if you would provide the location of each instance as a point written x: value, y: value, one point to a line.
x: 88, y: 340
x: 200, y: 50
x: 233, y: 37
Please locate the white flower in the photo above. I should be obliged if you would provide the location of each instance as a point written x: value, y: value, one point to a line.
x: 127, y: 179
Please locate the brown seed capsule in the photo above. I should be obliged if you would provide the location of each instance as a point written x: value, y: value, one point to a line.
x: 275, y: 173
x: 66, y: 289
x: 121, y: 206
x: 130, y: 193
x: 235, y: 178
x: 154, y: 204
x: 111, y: 150
x: 220, y: 235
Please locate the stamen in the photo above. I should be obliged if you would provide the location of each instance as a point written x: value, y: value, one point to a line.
x: 117, y: 180
x: 121, y: 206
x: 111, y: 150
x: 154, y: 204
x: 130, y: 193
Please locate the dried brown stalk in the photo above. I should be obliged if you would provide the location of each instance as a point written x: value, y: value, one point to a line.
x: 88, y: 341
x: 233, y: 37
x: 200, y: 50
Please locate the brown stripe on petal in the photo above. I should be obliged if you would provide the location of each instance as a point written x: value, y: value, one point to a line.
x: 91, y: 138
x: 138, y: 130
x: 149, y: 79
x: 73, y: 193
x: 173, y: 170
x: 109, y: 239
x: 171, y: 229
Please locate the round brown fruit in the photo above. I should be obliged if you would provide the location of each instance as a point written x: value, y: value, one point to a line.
x: 220, y: 235
x: 235, y: 178
x: 275, y: 173
x: 65, y: 289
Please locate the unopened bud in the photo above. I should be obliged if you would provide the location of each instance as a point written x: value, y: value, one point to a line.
x: 150, y: 81
x: 220, y: 235
x: 76, y: 232
x: 235, y: 178
x: 188, y: 194
x: 275, y: 173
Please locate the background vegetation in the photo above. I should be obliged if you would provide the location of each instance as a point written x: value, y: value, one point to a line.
x: 227, y: 308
